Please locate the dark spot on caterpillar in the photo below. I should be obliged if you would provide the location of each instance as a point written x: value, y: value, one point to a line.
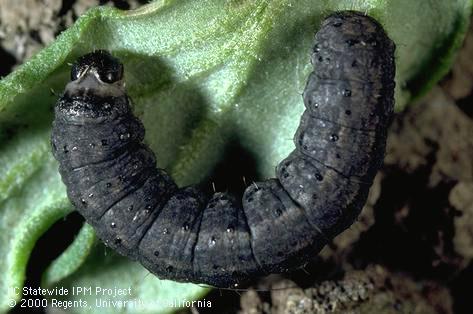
x: 352, y: 42
x: 182, y: 234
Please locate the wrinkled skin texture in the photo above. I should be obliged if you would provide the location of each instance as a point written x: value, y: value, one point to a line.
x: 180, y: 233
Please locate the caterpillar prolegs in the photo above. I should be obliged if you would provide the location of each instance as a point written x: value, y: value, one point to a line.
x: 179, y: 233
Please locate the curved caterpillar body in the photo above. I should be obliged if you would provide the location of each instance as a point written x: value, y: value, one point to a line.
x: 183, y: 235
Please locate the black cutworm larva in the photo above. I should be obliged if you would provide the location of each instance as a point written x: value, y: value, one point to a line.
x: 181, y: 234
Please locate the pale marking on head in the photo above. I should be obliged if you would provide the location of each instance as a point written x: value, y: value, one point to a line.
x: 89, y: 81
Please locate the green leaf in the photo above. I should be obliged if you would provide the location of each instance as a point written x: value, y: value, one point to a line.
x: 203, y: 74
x: 71, y: 259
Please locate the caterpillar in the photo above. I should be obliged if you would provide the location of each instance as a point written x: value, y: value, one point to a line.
x: 182, y: 234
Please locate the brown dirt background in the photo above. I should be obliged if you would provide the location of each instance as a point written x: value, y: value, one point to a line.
x: 411, y: 250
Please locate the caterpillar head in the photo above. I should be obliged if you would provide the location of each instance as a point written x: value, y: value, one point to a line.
x: 97, y: 73
x: 96, y: 91
x: 101, y: 64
